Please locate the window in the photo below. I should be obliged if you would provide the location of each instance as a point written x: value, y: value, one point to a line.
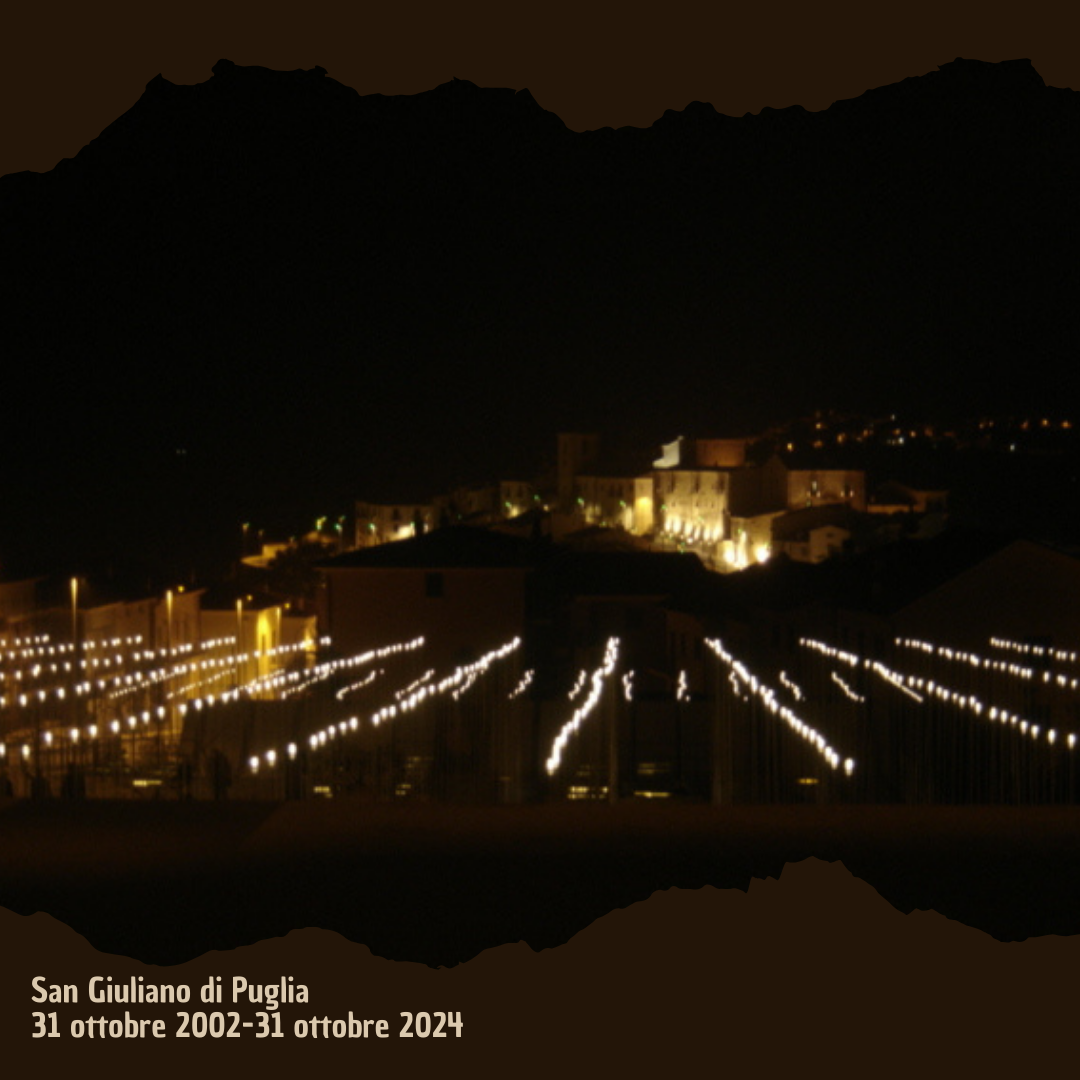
x: 433, y: 584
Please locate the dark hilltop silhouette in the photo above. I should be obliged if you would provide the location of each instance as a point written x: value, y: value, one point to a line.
x: 266, y: 287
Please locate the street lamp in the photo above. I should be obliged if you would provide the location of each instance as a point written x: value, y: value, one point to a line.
x: 239, y: 637
x: 75, y: 614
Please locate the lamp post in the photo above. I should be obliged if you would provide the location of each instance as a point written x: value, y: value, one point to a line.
x: 75, y: 645
x: 75, y: 616
x: 239, y: 637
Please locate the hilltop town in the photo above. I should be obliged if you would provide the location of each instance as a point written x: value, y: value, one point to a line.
x: 807, y: 490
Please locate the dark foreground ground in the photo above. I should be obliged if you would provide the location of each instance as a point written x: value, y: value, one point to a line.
x: 165, y: 882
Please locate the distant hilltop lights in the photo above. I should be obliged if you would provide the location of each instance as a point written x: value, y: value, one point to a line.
x: 800, y: 489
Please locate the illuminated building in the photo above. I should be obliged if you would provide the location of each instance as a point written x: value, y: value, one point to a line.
x: 261, y: 625
x: 720, y: 453
x: 484, y: 504
x: 267, y: 554
x: 614, y: 502
x: 894, y: 498
x: 18, y: 605
x: 458, y: 587
x: 812, y: 535
x: 577, y: 454
x: 381, y: 523
x: 474, y: 504
x: 794, y: 481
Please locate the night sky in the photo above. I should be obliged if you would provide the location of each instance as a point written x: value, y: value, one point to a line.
x: 203, y: 340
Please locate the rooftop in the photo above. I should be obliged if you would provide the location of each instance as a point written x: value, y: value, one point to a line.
x: 457, y: 546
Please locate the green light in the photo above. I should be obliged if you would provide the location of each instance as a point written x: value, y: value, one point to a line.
x: 581, y: 502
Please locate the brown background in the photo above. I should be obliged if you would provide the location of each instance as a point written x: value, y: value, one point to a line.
x: 815, y: 972
x: 67, y: 70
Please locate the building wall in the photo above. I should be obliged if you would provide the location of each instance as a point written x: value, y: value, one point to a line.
x: 485, y: 503
x: 693, y: 503
x: 816, y: 487
x: 1023, y: 591
x: 755, y: 489
x: 18, y: 606
x: 606, y: 500
x: 927, y: 501
x: 750, y: 542
x: 123, y: 620
x: 379, y: 523
x: 160, y: 621
x: 258, y: 630
x: 720, y: 453
x: 576, y: 454
x: 459, y: 611
x: 515, y: 497
x: 814, y: 546
x: 644, y: 505
x: 179, y: 622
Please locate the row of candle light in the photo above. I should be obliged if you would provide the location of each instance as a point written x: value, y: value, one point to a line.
x: 422, y: 693
x: 765, y: 693
x: 849, y: 692
x: 796, y: 690
x: 137, y: 681
x: 592, y: 699
x: 1062, y: 655
x: 523, y: 684
x: 974, y: 660
x: 367, y: 680
x: 226, y: 665
x: 916, y: 687
x: 295, y: 682
x: 876, y: 666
